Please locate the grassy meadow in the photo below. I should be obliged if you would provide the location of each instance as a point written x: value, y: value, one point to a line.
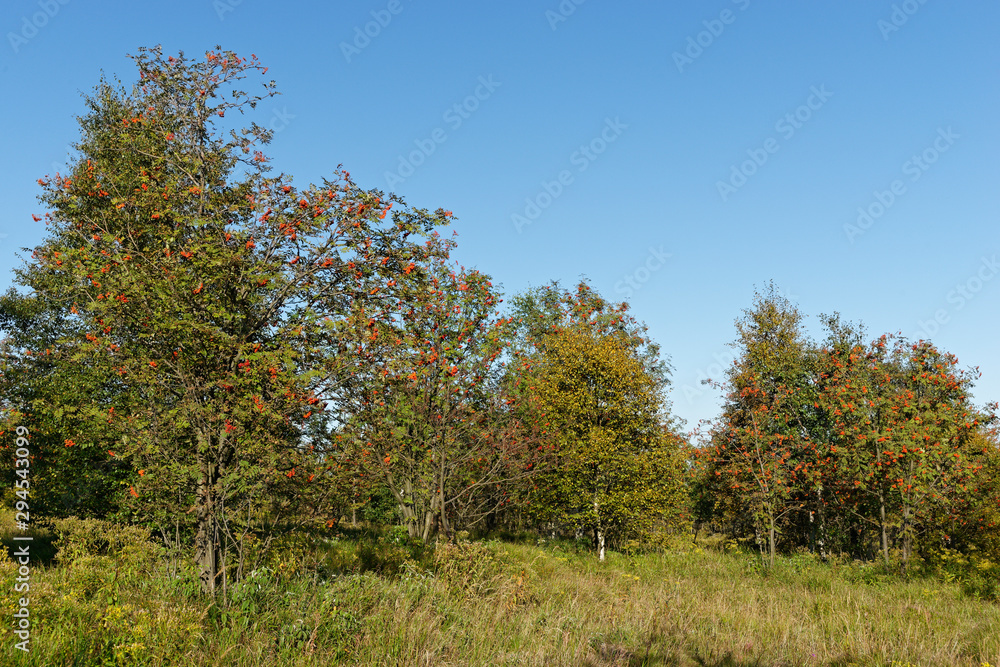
x: 114, y: 597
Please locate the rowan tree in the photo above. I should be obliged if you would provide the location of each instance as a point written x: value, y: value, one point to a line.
x: 975, y: 526
x: 844, y: 438
x: 931, y: 464
x: 761, y: 446
x: 426, y: 417
x: 209, y: 290
x: 66, y: 410
x: 900, y: 422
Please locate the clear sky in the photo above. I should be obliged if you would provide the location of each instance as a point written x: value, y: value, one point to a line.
x: 849, y: 151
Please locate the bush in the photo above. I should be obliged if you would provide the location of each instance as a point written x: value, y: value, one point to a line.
x: 78, y: 538
x: 100, y: 555
x: 381, y: 508
x: 978, y: 575
x: 480, y: 570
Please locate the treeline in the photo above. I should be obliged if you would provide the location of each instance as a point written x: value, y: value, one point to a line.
x: 848, y: 445
x: 210, y: 351
x: 215, y: 353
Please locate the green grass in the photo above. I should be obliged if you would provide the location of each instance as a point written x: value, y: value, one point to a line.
x: 373, y: 600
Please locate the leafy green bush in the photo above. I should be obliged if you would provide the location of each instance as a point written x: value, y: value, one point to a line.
x: 978, y: 575
x: 381, y: 508
x: 104, y: 556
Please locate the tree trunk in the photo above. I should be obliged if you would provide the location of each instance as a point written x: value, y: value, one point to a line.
x: 812, y: 532
x: 885, y: 536
x: 821, y: 529
x: 443, y: 526
x: 207, y: 556
x: 770, y: 539
x: 427, y: 532
x: 907, y: 537
x: 409, y: 519
x: 598, y: 531
x: 406, y: 504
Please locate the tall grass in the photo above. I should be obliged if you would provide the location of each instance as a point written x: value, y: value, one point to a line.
x: 372, y: 599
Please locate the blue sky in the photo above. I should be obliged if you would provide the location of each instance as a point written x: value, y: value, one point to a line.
x: 848, y: 151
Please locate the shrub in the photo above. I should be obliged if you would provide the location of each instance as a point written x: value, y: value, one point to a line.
x: 480, y: 570
x: 100, y: 555
x: 978, y: 575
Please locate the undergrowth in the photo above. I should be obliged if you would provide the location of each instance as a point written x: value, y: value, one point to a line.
x: 372, y: 597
